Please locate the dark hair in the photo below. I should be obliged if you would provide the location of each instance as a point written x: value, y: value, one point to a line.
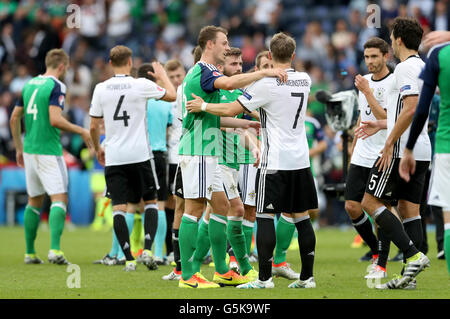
x: 409, y: 30
x: 234, y: 52
x: 377, y: 43
x: 143, y: 71
x: 209, y: 33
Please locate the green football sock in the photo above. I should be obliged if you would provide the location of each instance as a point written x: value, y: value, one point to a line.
x: 218, y: 239
x: 30, y: 222
x: 284, y: 231
x: 202, y: 246
x: 56, y: 221
x: 447, y: 245
x: 237, y: 241
x: 187, y: 238
x: 247, y: 228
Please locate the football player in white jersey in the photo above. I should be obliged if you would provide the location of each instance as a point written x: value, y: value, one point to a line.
x: 384, y: 183
x: 376, y: 89
x: 284, y: 181
x: 121, y: 102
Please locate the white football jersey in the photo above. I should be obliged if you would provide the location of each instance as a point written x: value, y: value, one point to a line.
x: 366, y: 151
x: 282, y: 108
x: 408, y: 83
x: 175, y: 129
x: 122, y: 102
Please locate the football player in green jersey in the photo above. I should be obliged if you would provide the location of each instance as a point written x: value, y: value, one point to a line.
x: 42, y: 103
x: 229, y: 164
x: 200, y: 150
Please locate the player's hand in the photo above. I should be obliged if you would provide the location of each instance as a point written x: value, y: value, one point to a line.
x: 386, y: 157
x: 257, y: 155
x: 436, y: 37
x: 195, y: 105
x: 86, y: 136
x: 253, y: 124
x: 366, y: 129
x: 407, y: 165
x: 362, y: 84
x: 19, y: 158
x: 159, y: 71
x: 276, y: 73
x: 101, y: 156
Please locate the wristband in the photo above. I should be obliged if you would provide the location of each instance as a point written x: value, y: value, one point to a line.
x: 204, y: 104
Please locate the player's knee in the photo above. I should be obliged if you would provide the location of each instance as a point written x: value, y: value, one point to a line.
x: 353, y: 209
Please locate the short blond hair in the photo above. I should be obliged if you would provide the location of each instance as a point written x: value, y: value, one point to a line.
x: 55, y: 57
x: 119, y: 55
x: 282, y: 47
x: 173, y: 65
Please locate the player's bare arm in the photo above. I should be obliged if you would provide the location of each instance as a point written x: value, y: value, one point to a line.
x: 16, y: 129
x: 403, y: 122
x: 369, y: 128
x: 238, y: 123
x: 57, y: 120
x: 222, y: 109
x: 242, y: 80
x: 249, y: 141
x: 362, y: 84
x: 95, y: 135
x: 160, y: 75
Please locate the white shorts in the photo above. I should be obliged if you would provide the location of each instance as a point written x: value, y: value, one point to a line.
x: 202, y: 176
x: 230, y: 181
x: 440, y: 182
x: 45, y: 174
x: 247, y: 184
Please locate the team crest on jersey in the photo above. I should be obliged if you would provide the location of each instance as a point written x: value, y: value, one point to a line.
x: 61, y: 100
x: 379, y: 93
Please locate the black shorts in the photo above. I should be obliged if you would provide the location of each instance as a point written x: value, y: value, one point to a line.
x: 172, y: 172
x: 161, y: 173
x: 178, y: 183
x: 285, y: 191
x: 355, y: 185
x: 389, y: 186
x: 130, y: 182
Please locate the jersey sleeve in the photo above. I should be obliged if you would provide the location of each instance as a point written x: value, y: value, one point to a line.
x: 430, y: 72
x: 257, y: 95
x: 149, y: 89
x: 208, y: 76
x: 57, y: 96
x: 19, y: 101
x: 96, y: 109
x: 407, y: 82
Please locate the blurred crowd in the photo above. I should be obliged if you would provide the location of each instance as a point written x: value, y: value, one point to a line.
x: 330, y: 36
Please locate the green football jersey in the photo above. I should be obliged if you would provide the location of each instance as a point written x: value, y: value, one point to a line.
x: 201, y: 131
x: 437, y: 73
x: 37, y: 95
x: 443, y: 130
x: 230, y: 139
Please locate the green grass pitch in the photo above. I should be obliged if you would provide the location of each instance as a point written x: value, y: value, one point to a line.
x: 338, y: 274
